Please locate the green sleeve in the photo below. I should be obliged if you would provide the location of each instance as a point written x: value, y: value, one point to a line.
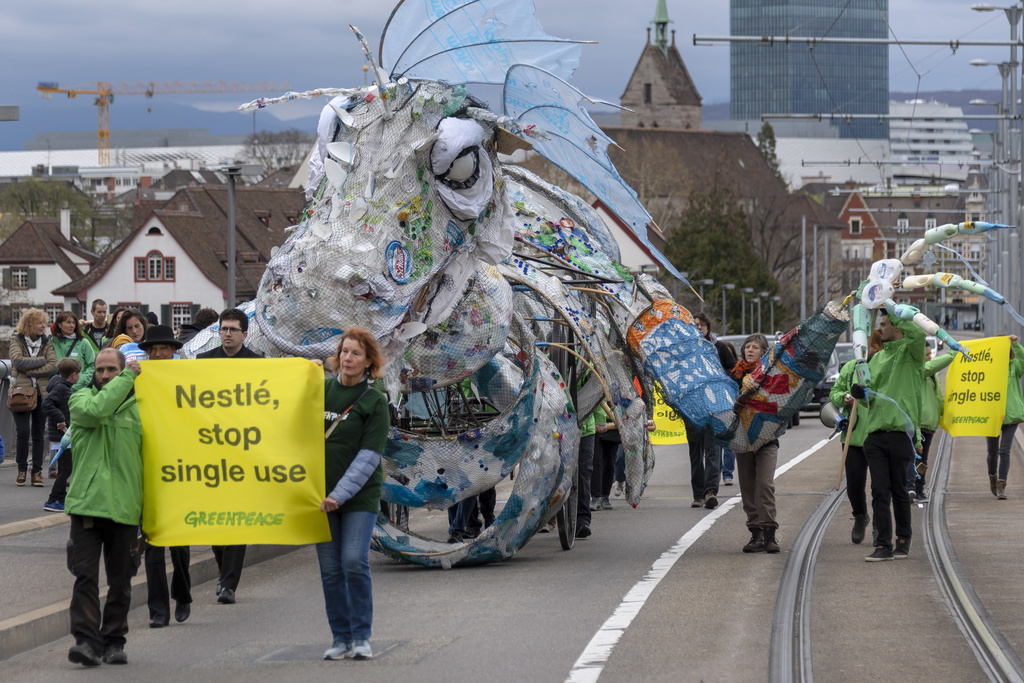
x: 88, y: 365
x: 932, y: 367
x: 89, y: 409
x: 842, y: 385
x: 915, y: 339
x: 377, y: 425
x: 1017, y: 363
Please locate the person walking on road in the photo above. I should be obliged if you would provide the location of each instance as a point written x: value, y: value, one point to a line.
x: 727, y: 357
x: 160, y: 344
x: 757, y: 468
x: 32, y: 359
x: 356, y: 425
x: 933, y: 404
x: 856, y: 465
x: 999, y: 446
x: 897, y: 372
x: 234, y: 328
x: 105, y: 504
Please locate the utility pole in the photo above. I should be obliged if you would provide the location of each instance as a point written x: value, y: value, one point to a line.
x: 803, y: 268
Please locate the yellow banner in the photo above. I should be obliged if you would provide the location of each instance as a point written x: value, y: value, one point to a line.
x: 668, y: 427
x: 233, y: 451
x: 976, y: 389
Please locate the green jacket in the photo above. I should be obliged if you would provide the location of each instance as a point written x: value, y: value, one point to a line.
x: 898, y: 372
x: 933, y: 401
x: 1014, y: 399
x: 839, y: 390
x: 82, y: 352
x: 106, y: 438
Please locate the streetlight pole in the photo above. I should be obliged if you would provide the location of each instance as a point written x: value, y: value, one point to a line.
x: 760, y: 323
x: 772, y: 306
x: 725, y: 329
x: 743, y: 308
x: 708, y: 282
x: 232, y: 171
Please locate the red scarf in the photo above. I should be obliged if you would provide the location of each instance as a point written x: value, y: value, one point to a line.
x: 744, y: 368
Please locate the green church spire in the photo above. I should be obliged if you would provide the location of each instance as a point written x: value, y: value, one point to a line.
x: 661, y: 22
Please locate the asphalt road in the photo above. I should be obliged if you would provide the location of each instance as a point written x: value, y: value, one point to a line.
x: 698, y: 608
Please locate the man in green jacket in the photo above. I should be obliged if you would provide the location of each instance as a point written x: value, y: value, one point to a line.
x: 897, y: 372
x: 932, y: 406
x: 999, y: 446
x: 105, y: 503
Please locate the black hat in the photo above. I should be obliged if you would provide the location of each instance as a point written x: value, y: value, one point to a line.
x: 159, y: 334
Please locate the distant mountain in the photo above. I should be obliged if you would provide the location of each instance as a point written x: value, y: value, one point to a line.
x: 130, y: 113
x: 719, y: 111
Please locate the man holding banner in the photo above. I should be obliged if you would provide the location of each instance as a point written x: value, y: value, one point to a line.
x: 234, y: 328
x: 104, y: 501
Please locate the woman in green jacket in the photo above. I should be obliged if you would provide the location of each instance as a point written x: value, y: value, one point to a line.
x: 356, y: 426
x: 999, y: 446
x: 69, y: 342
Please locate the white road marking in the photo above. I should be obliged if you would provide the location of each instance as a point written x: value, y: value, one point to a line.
x: 591, y: 662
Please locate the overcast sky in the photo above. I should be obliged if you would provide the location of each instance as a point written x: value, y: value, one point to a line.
x: 308, y: 44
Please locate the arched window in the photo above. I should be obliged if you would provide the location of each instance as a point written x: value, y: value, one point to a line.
x: 154, y: 267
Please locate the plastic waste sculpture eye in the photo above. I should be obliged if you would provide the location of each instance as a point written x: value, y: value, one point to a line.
x: 497, y: 297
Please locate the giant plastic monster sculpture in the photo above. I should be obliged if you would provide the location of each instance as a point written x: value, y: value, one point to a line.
x: 496, y: 296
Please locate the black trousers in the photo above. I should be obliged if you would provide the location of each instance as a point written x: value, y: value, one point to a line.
x: 30, y: 424
x: 156, y: 579
x: 857, y: 480
x: 888, y: 455
x: 60, y: 484
x: 91, y: 536
x: 583, y: 477
x: 603, y: 476
x: 230, y: 559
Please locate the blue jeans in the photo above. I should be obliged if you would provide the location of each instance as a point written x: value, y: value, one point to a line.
x: 460, y: 514
x: 728, y: 463
x: 345, y: 574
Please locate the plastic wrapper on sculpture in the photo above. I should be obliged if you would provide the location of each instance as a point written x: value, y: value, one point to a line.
x: 497, y: 297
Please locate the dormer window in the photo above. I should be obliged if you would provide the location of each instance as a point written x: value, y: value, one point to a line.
x: 264, y: 216
x: 154, y: 231
x: 154, y: 267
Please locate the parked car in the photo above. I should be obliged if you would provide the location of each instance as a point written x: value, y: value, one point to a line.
x: 842, y: 355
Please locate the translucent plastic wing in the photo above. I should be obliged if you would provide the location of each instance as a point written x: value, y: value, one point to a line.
x: 574, y: 143
x: 470, y: 41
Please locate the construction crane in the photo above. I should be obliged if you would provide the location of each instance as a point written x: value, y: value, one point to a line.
x: 105, y: 97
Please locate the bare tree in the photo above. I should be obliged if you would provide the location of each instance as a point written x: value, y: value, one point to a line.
x: 276, y: 150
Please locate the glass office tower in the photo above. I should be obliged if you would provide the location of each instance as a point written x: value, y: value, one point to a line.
x: 791, y: 79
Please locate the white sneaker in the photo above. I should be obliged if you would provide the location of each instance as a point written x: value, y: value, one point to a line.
x: 339, y: 651
x: 361, y: 650
x: 618, y: 488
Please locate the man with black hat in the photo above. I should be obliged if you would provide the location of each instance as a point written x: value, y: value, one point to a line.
x: 160, y: 344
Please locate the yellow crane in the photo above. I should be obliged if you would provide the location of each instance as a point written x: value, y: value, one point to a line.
x: 105, y: 92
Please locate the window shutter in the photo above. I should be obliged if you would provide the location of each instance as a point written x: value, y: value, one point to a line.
x: 165, y: 314
x: 7, y: 278
x: 76, y: 308
x: 31, y: 278
x: 195, y: 309
x: 144, y: 308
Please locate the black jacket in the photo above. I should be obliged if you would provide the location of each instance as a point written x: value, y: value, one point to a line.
x: 55, y: 405
x: 218, y: 352
x: 187, y: 331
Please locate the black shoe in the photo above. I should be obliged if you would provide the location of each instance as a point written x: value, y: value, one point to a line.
x: 922, y: 497
x: 455, y: 537
x: 472, y: 532
x: 756, y: 542
x: 227, y: 597
x: 771, y: 544
x: 114, y: 654
x: 710, y: 500
x: 860, y: 525
x: 880, y: 555
x: 182, y: 611
x: 158, y: 622
x: 84, y: 654
x: 218, y: 589
x: 583, y: 531
x: 902, y: 549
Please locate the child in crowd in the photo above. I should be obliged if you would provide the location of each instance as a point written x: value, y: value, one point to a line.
x: 55, y: 408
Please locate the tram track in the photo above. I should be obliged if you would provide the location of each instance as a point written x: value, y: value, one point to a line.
x: 791, y: 657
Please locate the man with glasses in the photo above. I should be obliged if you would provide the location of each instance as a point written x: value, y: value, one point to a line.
x: 234, y: 327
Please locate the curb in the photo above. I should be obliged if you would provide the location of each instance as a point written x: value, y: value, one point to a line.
x: 46, y: 624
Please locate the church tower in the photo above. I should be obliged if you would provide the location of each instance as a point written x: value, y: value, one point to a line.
x: 660, y: 92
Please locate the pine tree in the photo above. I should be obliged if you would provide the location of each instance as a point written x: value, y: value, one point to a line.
x: 766, y: 145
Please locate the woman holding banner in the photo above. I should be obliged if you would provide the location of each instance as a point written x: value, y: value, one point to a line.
x: 757, y: 468
x: 356, y: 424
x: 999, y: 446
